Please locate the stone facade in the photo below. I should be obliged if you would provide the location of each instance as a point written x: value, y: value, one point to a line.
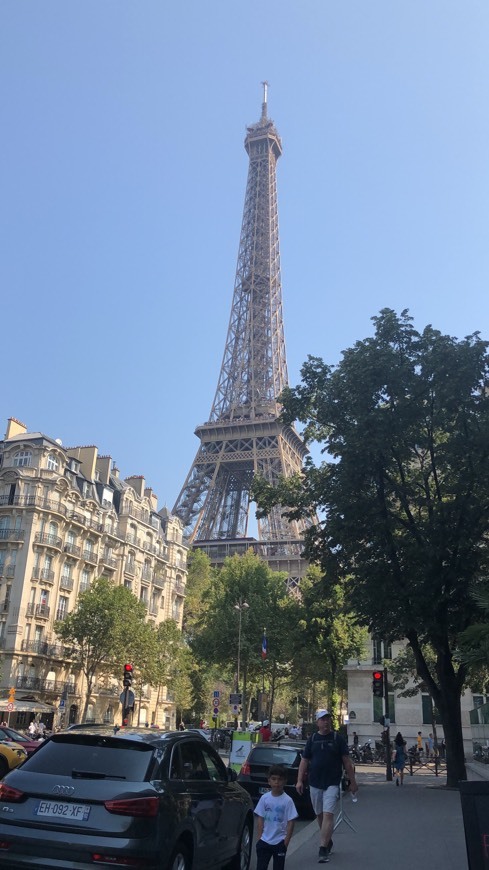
x: 408, y: 715
x: 67, y: 517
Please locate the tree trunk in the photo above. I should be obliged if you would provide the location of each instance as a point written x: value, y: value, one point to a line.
x: 446, y: 693
x: 87, y: 696
x: 451, y: 717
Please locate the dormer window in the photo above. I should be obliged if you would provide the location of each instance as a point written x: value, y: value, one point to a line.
x: 22, y: 458
x: 53, y: 464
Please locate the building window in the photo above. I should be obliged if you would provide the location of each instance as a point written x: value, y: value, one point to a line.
x: 429, y: 711
x: 379, y: 708
x: 84, y: 580
x: 381, y: 650
x: 53, y: 463
x: 22, y: 458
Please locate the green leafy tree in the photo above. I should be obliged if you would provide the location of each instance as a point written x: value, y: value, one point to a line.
x: 331, y: 634
x: 102, y: 630
x: 404, y: 494
x: 248, y: 580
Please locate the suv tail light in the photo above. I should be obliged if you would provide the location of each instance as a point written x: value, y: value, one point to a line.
x: 7, y: 793
x: 245, y: 769
x: 143, y: 806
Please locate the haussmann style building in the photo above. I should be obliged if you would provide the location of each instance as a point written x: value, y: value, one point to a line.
x: 66, y: 517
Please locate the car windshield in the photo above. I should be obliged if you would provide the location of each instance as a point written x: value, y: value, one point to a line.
x: 273, y: 755
x: 13, y: 735
x: 92, y: 756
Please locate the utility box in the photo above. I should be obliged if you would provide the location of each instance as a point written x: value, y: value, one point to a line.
x: 475, y: 812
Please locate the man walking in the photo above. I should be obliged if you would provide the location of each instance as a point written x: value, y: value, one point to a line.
x: 324, y: 757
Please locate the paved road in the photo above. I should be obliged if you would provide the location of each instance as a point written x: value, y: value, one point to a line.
x: 416, y: 827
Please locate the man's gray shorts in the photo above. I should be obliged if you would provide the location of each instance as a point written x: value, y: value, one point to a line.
x: 324, y: 799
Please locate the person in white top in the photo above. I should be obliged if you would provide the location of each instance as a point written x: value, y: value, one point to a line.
x: 276, y: 815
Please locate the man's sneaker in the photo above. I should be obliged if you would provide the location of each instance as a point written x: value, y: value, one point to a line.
x: 323, y: 857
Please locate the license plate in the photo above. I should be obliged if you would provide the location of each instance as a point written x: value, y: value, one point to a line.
x: 263, y: 790
x: 58, y: 810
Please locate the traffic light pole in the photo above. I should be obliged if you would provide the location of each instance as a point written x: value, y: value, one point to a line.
x: 388, y: 769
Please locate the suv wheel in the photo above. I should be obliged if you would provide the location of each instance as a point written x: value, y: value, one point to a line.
x: 242, y: 859
x: 180, y: 858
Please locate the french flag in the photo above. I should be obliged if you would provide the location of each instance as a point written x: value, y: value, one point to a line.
x: 264, y: 645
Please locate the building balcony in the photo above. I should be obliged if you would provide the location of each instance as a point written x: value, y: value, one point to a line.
x: 76, y: 518
x: 66, y: 583
x: 38, y: 684
x: 7, y: 571
x: 153, y: 610
x: 132, y: 539
x: 4, y: 606
x: 48, y: 540
x: 12, y: 534
x: 163, y: 555
x: 96, y: 527
x: 108, y: 690
x: 72, y: 549
x: 41, y: 611
x: 32, y: 501
x: 90, y: 556
x: 61, y: 614
x: 114, y: 533
x: 151, y: 548
x: 46, y: 648
x: 147, y: 574
x: 179, y: 588
x: 109, y: 562
x: 136, y: 513
x: 43, y: 574
x: 130, y: 568
x: 159, y: 581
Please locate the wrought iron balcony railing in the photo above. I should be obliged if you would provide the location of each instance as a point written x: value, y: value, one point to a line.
x: 48, y: 540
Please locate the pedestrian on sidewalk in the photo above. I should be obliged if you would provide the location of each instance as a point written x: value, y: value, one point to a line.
x: 324, y: 757
x: 399, y: 757
x: 276, y: 814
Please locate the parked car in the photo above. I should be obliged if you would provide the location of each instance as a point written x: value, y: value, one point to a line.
x: 254, y: 771
x: 27, y: 743
x: 136, y: 798
x: 11, y: 755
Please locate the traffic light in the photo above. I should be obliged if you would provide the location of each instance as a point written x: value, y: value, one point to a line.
x: 378, y: 684
x: 127, y: 676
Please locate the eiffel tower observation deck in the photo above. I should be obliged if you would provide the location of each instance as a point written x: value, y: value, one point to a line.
x: 244, y: 435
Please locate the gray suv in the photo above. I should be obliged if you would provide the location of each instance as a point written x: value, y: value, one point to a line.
x: 134, y: 799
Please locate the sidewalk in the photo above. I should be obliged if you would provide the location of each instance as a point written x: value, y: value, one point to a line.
x: 417, y: 826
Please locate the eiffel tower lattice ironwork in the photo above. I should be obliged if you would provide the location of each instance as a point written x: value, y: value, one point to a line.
x: 244, y: 435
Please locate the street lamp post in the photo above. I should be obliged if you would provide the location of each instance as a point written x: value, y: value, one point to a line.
x: 240, y: 606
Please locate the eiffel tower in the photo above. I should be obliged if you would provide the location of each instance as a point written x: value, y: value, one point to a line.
x: 244, y: 436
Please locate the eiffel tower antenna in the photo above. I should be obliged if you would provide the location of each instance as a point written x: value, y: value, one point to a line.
x: 244, y: 435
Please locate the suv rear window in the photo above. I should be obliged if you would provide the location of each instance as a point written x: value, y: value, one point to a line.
x: 273, y: 755
x: 87, y: 754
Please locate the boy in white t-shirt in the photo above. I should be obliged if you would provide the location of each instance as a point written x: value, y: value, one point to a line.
x: 276, y: 814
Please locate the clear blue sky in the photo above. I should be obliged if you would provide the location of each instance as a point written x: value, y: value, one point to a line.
x: 122, y: 183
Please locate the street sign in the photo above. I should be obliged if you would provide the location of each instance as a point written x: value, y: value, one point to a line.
x: 216, y: 711
x: 216, y: 702
x: 235, y: 708
x: 130, y: 698
x: 235, y: 698
x: 10, y: 706
x: 62, y: 704
x: 216, y: 694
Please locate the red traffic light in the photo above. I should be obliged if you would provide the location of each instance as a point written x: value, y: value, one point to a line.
x: 378, y: 684
x: 128, y: 669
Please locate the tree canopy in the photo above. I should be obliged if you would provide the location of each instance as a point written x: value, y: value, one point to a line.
x: 403, y: 421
